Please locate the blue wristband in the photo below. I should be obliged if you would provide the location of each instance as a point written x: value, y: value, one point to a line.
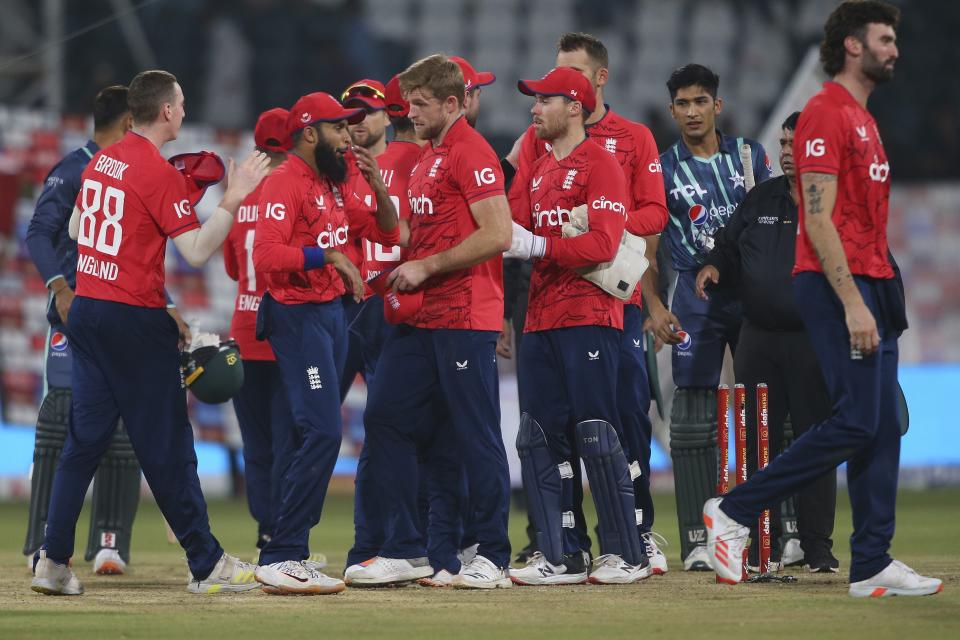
x: 313, y: 258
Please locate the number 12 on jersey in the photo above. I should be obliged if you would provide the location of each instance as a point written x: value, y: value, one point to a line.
x: 109, y: 202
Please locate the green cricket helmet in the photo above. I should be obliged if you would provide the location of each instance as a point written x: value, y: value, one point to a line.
x: 213, y: 373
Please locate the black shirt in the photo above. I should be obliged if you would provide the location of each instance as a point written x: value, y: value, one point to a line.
x: 755, y: 253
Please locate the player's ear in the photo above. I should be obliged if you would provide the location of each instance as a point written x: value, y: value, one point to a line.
x: 602, y: 76
x: 853, y: 45
x: 717, y: 105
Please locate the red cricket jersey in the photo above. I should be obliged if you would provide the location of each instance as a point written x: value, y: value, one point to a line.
x: 238, y: 260
x: 541, y: 199
x: 297, y: 209
x: 395, y: 165
x: 638, y: 157
x: 443, y: 184
x: 835, y: 135
x: 131, y: 200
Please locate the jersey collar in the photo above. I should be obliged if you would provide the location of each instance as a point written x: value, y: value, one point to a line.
x: 727, y: 145
x: 606, y: 116
x: 839, y: 92
x: 90, y: 148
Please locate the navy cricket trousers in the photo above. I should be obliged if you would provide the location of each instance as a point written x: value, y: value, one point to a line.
x: 260, y: 405
x: 863, y: 430
x: 570, y: 375
x: 429, y: 382
x: 126, y: 364
x: 309, y: 341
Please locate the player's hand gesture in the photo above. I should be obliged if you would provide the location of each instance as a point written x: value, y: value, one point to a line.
x: 63, y: 298
x: 864, y: 337
x: 369, y: 168
x: 348, y: 273
x: 183, y: 329
x: 504, y: 341
x: 664, y: 325
x: 408, y: 276
x: 708, y: 274
x: 244, y: 177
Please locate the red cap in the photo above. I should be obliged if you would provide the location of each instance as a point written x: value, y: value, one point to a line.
x: 365, y: 93
x: 398, y: 306
x: 320, y: 107
x: 471, y: 77
x: 271, y: 131
x: 562, y: 81
x: 200, y: 170
x: 396, y: 105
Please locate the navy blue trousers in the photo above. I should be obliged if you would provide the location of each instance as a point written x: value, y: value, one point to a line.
x: 309, y: 341
x: 261, y: 404
x: 430, y: 384
x: 710, y: 325
x: 863, y: 430
x: 126, y: 364
x: 570, y: 375
x: 633, y: 402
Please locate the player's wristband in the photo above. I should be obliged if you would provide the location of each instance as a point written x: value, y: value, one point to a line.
x: 313, y: 258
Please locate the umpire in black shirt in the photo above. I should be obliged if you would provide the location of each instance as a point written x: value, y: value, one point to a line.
x: 755, y: 251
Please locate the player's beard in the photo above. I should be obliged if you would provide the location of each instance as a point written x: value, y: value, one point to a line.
x: 551, y: 129
x: 874, y: 68
x: 329, y: 163
x: 371, y: 139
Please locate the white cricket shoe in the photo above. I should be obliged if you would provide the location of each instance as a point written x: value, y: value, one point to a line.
x: 658, y: 561
x: 442, y: 578
x: 896, y: 580
x: 109, y: 563
x: 610, y: 568
x: 539, y: 571
x: 792, y: 554
x: 229, y: 575
x: 292, y: 577
x: 698, y: 560
x: 380, y: 571
x: 316, y: 561
x: 480, y: 573
x: 54, y: 579
x: 467, y: 554
x: 726, y: 539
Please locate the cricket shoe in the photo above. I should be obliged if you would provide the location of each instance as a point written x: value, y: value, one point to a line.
x: 292, y: 577
x: 824, y: 563
x: 773, y: 566
x: 229, y: 575
x: 792, y: 555
x: 539, y: 571
x: 382, y: 572
x: 658, y: 561
x: 480, y: 573
x: 726, y: 539
x: 316, y: 561
x: 54, y: 579
x: 697, y: 560
x: 109, y: 563
x: 610, y: 568
x: 896, y: 580
x: 440, y: 579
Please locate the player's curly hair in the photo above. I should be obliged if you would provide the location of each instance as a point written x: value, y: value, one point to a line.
x: 851, y: 19
x: 438, y: 74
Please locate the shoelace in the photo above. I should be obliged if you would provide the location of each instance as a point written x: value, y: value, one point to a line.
x: 608, y: 560
x: 536, y: 559
x: 655, y: 539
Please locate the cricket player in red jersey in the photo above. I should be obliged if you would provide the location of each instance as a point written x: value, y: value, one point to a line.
x: 305, y: 219
x: 473, y: 83
x: 854, y: 311
x: 439, y: 369
x: 126, y: 359
x: 262, y: 401
x: 571, y: 345
x: 636, y: 153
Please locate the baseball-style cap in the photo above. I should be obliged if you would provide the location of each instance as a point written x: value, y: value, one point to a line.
x: 200, y: 170
x: 398, y: 306
x: 396, y: 105
x: 271, y: 132
x: 365, y: 93
x: 562, y: 81
x: 320, y: 107
x: 471, y: 77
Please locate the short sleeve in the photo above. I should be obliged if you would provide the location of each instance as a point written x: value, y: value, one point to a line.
x: 477, y: 171
x: 818, y: 141
x: 171, y: 208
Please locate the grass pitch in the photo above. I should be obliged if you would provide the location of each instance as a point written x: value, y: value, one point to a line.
x: 151, y: 600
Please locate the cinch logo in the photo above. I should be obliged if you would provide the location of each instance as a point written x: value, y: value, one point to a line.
x: 688, y: 191
x: 879, y: 172
x: 552, y: 217
x: 421, y: 205
x: 685, y: 341
x: 58, y: 341
x: 332, y: 237
x: 655, y: 166
x: 815, y: 147
x: 603, y: 203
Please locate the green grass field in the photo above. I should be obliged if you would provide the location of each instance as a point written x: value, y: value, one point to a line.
x: 151, y: 601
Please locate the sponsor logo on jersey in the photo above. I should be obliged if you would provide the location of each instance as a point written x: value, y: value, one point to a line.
x: 698, y: 214
x: 484, y: 176
x: 879, y: 172
x: 535, y: 183
x: 815, y: 148
x: 685, y: 341
x: 862, y: 132
x: 58, y: 341
x: 688, y: 191
x: 551, y: 217
x: 332, y: 237
x: 655, y: 166
x: 421, y: 205
x: 603, y: 203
